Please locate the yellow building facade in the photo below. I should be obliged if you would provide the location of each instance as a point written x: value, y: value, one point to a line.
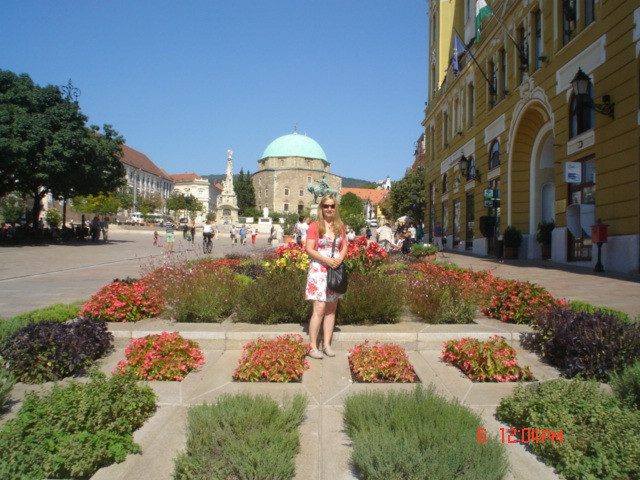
x: 512, y: 141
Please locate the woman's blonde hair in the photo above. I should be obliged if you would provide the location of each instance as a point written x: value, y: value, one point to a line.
x: 337, y: 223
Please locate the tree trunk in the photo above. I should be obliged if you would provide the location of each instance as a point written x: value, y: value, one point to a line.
x: 37, y: 206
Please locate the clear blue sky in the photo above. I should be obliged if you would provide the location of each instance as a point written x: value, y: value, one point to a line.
x: 183, y: 81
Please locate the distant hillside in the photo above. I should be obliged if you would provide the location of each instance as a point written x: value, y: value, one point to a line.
x: 346, y: 182
x: 355, y: 183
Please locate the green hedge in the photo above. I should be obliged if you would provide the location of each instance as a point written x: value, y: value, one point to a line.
x: 241, y: 437
x: 419, y: 435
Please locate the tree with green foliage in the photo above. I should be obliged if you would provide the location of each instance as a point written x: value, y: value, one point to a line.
x: 351, y: 211
x: 193, y: 206
x: 100, y: 204
x: 350, y: 204
x: 150, y: 203
x: 402, y: 193
x: 46, y: 147
x: 53, y: 217
x: 176, y: 202
x: 11, y: 207
x: 243, y: 187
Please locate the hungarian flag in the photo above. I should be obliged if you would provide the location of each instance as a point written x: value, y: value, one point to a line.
x: 482, y: 11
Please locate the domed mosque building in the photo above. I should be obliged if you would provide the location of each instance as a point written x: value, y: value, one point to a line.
x: 288, y: 166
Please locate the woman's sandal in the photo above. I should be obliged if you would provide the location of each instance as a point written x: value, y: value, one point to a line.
x: 315, y: 353
x: 328, y: 351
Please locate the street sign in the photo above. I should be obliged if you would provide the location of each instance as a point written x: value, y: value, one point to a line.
x: 488, y: 193
x: 573, y: 172
x: 488, y: 203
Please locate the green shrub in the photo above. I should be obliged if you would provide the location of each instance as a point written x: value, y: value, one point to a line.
x: 627, y: 385
x: 445, y: 303
x: 275, y: 298
x: 207, y: 294
x: 584, y: 307
x: 241, y: 437
x: 417, y: 435
x: 58, y: 312
x: 600, y: 436
x: 75, y: 429
x: 370, y: 299
x: 7, y: 381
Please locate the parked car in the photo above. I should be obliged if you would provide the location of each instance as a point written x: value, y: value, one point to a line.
x: 183, y: 220
x: 373, y: 223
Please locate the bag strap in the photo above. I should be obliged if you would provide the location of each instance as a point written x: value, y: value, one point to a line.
x: 333, y: 246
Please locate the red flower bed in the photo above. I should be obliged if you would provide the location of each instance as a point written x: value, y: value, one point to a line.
x: 381, y: 362
x: 279, y: 360
x: 517, y: 302
x: 363, y: 256
x: 166, y: 356
x: 124, y: 302
x: 490, y: 361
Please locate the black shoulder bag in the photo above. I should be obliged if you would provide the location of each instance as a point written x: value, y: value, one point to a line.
x: 337, y: 277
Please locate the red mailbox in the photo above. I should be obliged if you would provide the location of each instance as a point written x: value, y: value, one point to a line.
x: 599, y: 233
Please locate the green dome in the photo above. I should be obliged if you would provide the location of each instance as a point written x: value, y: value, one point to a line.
x: 295, y: 145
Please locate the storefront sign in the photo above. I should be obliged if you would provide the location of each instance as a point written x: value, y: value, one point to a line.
x: 573, y: 172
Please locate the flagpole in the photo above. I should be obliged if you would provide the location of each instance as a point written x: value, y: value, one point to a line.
x: 492, y: 89
x: 523, y: 58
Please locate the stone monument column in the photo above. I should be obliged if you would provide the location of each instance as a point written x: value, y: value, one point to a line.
x: 227, y: 207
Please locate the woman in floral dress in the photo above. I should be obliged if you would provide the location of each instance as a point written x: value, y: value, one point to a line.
x: 320, y: 238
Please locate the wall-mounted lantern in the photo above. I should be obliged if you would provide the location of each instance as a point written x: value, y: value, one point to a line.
x: 581, y: 85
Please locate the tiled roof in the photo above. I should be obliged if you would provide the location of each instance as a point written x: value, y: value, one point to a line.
x: 185, y: 177
x: 375, y: 196
x: 139, y: 160
x: 219, y: 186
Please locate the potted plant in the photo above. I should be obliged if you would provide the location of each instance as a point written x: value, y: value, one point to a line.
x: 423, y: 252
x: 543, y: 237
x: 512, y: 240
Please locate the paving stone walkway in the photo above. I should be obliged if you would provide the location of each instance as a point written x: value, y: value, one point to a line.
x: 36, y: 276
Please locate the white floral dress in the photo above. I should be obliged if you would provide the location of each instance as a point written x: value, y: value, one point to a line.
x: 317, y: 277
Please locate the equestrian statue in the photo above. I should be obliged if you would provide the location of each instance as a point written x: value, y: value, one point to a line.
x: 321, y: 190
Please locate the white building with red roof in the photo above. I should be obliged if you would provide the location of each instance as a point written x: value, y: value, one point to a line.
x: 199, y: 187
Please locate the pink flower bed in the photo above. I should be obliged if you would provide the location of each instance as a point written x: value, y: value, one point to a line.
x: 490, y: 361
x: 167, y: 356
x: 380, y: 362
x: 279, y: 360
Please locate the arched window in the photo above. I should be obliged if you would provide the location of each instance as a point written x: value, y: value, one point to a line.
x: 444, y: 183
x: 581, y: 115
x: 471, y: 169
x: 494, y: 154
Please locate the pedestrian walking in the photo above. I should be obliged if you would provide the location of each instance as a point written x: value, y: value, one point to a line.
x: 243, y: 235
x: 254, y: 234
x: 169, y: 236
x: 155, y: 238
x: 437, y: 236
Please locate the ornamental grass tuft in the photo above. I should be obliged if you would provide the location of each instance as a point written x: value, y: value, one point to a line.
x: 279, y: 360
x: 242, y: 437
x: 370, y: 299
x: 167, y: 356
x: 275, y: 298
x: 417, y: 435
x: 380, y: 362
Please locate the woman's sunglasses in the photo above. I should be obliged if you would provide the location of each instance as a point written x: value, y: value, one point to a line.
x: 332, y: 207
